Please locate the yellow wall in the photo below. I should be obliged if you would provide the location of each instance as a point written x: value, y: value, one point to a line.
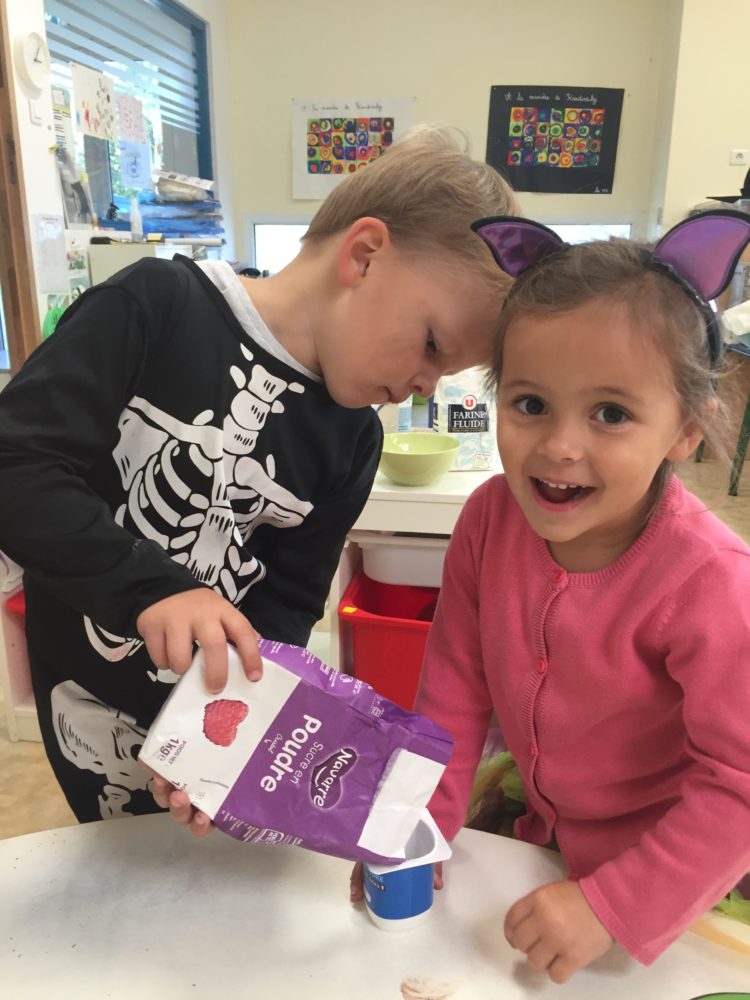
x: 711, y: 112
x: 448, y: 54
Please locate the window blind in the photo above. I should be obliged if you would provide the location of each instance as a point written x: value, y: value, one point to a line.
x: 149, y: 53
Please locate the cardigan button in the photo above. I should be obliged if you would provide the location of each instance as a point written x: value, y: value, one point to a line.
x: 560, y: 576
x: 541, y: 666
x: 533, y: 750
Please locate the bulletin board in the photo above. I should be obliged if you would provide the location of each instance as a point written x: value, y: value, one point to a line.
x: 559, y: 140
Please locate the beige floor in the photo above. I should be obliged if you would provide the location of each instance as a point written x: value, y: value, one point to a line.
x: 30, y: 799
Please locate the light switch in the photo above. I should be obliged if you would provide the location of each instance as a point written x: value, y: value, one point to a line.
x: 739, y: 157
x: 35, y: 112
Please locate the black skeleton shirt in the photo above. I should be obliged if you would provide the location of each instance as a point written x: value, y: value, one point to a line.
x: 150, y: 443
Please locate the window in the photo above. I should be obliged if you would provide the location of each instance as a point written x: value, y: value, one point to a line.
x: 583, y: 232
x: 155, y: 51
x: 273, y: 241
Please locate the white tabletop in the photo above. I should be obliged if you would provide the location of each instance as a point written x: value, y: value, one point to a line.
x: 139, y: 908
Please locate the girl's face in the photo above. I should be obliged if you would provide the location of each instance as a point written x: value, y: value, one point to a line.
x: 587, y: 412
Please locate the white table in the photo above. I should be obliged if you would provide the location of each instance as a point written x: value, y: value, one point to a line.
x: 139, y: 908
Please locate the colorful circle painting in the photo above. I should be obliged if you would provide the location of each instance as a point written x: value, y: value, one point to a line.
x: 341, y: 145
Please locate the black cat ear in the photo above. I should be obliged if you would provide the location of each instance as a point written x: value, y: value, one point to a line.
x: 705, y: 248
x: 516, y: 243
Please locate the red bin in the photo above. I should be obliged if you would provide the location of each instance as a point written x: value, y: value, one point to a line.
x: 384, y: 627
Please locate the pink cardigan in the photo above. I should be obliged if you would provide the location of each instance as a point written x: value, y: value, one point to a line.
x: 623, y: 694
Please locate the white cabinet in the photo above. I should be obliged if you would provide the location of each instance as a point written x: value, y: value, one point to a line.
x: 15, y: 679
x: 106, y: 259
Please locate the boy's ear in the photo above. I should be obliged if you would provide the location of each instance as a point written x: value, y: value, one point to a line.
x: 359, y: 244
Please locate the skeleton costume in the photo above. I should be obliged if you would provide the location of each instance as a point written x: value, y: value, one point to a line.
x: 162, y: 439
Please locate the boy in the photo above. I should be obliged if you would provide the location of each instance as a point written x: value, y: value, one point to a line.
x: 181, y: 461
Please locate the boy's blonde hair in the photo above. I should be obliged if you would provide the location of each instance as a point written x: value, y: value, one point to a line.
x: 427, y: 190
x: 619, y: 272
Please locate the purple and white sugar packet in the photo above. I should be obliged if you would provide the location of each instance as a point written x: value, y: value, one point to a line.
x: 306, y: 756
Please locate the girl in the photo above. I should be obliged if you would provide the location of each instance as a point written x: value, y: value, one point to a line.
x: 594, y: 604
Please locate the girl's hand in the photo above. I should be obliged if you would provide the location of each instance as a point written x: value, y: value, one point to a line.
x: 557, y: 930
x: 171, y: 626
x: 356, y: 882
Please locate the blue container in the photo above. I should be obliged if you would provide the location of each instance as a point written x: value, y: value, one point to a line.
x: 400, y: 895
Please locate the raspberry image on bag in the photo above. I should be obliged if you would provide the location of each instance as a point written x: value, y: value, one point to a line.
x: 221, y: 718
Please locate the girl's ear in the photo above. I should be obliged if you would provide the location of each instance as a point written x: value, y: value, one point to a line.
x: 357, y: 247
x: 690, y: 435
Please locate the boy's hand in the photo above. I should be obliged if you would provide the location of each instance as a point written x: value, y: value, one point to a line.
x: 356, y: 881
x: 180, y: 809
x: 171, y: 626
x: 557, y: 930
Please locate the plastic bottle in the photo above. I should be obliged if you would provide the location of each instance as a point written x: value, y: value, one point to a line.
x: 403, y: 418
x: 136, y: 222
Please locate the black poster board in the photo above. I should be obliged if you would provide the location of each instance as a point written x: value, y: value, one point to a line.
x: 555, y: 139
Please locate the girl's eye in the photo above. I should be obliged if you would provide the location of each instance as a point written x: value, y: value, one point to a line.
x: 611, y: 414
x: 432, y: 347
x: 532, y: 406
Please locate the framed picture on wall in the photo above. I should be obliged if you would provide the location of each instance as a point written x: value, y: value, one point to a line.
x: 334, y: 137
x: 560, y: 140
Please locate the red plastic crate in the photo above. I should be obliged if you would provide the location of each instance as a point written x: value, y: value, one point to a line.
x: 385, y: 627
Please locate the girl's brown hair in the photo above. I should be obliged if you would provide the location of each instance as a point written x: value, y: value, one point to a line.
x: 619, y: 272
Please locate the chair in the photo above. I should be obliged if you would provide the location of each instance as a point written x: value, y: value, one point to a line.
x: 744, y: 436
x: 743, y: 439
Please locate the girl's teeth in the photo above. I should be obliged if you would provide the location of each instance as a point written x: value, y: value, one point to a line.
x: 557, y: 486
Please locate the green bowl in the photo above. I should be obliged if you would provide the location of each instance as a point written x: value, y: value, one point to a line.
x: 415, y: 458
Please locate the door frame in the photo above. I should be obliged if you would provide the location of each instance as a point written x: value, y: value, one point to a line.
x: 17, y: 278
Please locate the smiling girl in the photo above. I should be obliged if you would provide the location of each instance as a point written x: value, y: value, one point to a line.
x: 594, y: 604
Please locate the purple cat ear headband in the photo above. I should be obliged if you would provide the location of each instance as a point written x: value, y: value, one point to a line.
x: 700, y: 254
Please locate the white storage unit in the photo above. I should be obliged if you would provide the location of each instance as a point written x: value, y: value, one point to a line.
x: 106, y: 259
x: 412, y: 560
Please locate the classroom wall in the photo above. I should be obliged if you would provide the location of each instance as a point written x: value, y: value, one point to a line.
x: 682, y: 64
x: 448, y: 55
x: 711, y: 112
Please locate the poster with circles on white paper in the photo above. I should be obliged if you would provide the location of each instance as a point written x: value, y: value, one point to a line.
x: 335, y: 137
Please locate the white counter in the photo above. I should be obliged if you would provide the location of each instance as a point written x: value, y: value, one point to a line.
x: 139, y: 908
x: 429, y: 509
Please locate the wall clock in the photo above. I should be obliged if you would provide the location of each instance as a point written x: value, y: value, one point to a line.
x: 32, y: 61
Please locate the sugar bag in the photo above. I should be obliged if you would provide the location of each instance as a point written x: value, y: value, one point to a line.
x: 306, y: 756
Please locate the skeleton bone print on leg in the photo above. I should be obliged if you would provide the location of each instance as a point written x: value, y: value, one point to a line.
x: 195, y: 490
x: 100, y: 739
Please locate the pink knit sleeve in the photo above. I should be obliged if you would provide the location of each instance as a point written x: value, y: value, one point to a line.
x: 651, y: 892
x: 453, y: 690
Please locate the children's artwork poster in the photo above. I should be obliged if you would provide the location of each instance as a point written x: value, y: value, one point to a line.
x: 332, y: 138
x: 130, y: 124
x: 555, y: 139
x: 135, y: 164
x: 94, y: 102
